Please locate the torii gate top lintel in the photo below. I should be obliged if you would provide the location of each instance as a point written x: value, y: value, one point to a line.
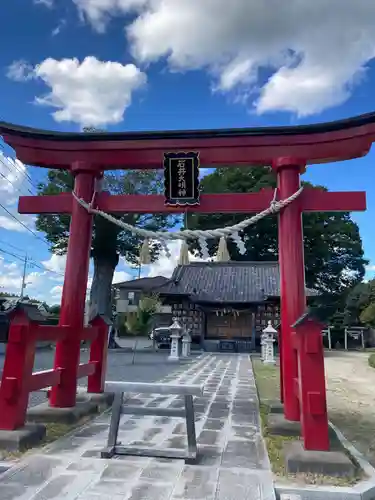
x: 317, y: 143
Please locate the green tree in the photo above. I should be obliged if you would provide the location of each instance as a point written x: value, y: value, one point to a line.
x: 140, y: 322
x: 55, y: 309
x: 360, y: 305
x: 109, y: 241
x: 334, y: 259
x: 367, y: 316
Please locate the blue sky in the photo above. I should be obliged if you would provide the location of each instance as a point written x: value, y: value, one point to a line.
x: 142, y: 64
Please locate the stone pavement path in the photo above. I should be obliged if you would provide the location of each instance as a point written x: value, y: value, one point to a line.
x: 147, y: 367
x: 233, y: 463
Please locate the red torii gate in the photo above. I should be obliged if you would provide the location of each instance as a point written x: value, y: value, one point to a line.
x: 287, y: 149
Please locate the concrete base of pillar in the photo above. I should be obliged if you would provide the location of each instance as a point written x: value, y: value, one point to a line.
x: 327, y: 463
x: 278, y: 425
x: 175, y: 359
x: 45, y: 413
x: 276, y: 407
x: 23, y: 438
x: 104, y: 400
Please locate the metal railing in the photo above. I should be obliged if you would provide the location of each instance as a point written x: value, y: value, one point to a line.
x: 119, y: 408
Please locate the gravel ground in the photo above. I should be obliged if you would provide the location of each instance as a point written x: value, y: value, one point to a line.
x: 148, y: 367
x: 351, y: 398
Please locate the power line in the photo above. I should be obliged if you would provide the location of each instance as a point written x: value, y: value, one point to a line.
x: 12, y: 184
x: 24, y: 173
x: 24, y: 225
x: 12, y: 254
x: 12, y: 172
x: 11, y: 245
x: 30, y: 261
x: 44, y: 268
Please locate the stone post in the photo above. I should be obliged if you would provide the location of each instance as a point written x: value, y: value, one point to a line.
x: 269, y: 340
x: 186, y: 344
x: 175, y: 330
x: 262, y: 346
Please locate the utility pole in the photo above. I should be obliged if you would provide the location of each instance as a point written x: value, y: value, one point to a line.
x: 23, y: 286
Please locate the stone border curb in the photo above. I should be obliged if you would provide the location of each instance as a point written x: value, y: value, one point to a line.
x: 364, y: 490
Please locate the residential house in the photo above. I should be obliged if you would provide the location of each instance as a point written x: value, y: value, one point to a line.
x: 129, y: 294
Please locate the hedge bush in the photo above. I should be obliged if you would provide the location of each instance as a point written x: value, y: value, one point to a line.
x: 371, y: 360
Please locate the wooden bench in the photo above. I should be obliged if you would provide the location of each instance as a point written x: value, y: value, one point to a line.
x: 119, y: 408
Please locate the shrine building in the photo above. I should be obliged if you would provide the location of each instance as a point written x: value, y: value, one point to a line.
x: 224, y: 303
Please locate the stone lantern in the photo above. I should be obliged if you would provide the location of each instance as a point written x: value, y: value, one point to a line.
x: 267, y: 343
x: 175, y: 330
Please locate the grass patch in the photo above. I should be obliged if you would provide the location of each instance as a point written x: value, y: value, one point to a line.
x: 371, y: 360
x: 267, y: 379
x: 54, y: 431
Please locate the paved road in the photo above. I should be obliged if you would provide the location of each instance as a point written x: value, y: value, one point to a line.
x: 232, y: 463
x: 148, y: 367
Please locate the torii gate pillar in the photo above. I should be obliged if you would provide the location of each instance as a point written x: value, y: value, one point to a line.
x: 73, y: 299
x: 292, y: 276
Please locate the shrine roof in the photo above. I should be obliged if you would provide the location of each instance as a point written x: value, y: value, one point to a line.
x: 142, y: 284
x: 225, y: 282
x: 11, y: 129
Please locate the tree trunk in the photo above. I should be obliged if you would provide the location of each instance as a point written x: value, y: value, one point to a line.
x: 101, y: 289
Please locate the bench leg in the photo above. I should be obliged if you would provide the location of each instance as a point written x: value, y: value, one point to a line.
x: 190, y: 428
x: 113, y: 427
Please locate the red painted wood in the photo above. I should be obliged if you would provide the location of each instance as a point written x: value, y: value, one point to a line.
x: 59, y: 203
x: 316, y: 200
x: 280, y: 344
x: 314, y: 417
x: 89, y: 333
x: 312, y: 200
x: 50, y: 332
x: 292, y: 281
x: 219, y: 152
x: 17, y: 372
x: 98, y: 356
x: 47, y: 378
x: 86, y: 369
x: 74, y: 294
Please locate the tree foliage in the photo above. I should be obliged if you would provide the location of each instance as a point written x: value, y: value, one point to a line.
x: 140, y: 321
x: 109, y: 241
x: 360, y: 305
x: 334, y: 258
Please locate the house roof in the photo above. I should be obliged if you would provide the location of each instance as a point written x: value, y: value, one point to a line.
x: 142, y: 283
x: 225, y: 282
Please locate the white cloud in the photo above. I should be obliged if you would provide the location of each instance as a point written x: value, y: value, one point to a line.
x: 55, y: 263
x: 56, y: 31
x: 370, y: 268
x: 47, y: 3
x: 98, y: 12
x: 11, y: 278
x: 13, y: 182
x: 165, y: 266
x: 55, y: 293
x: 315, y: 51
x: 12, y: 268
x: 120, y: 276
x: 91, y: 92
x: 13, y: 222
x: 20, y: 71
x: 13, y: 178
